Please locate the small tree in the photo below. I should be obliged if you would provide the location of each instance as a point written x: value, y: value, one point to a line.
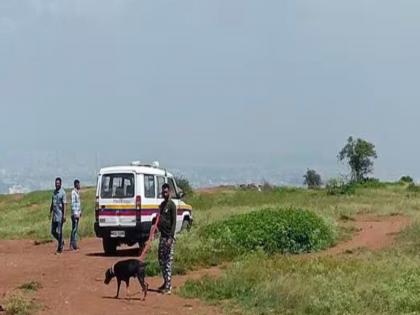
x: 312, y: 179
x: 406, y: 179
x: 359, y: 154
x: 184, y: 184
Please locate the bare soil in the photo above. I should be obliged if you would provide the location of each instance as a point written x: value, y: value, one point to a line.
x: 72, y: 283
x: 372, y: 232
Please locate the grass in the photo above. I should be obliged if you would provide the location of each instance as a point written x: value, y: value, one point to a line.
x: 360, y: 282
x: 21, y: 303
x: 30, y: 286
x: 386, y: 282
x: 26, y: 216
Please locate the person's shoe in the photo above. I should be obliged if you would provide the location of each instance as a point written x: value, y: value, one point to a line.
x: 58, y: 252
x: 166, y: 291
x: 162, y: 287
x: 75, y: 248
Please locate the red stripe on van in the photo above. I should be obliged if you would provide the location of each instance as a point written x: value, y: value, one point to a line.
x: 133, y: 212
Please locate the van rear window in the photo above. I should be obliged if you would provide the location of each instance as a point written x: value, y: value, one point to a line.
x: 117, y: 186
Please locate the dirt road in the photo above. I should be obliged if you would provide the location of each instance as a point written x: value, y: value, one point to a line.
x: 72, y: 283
x: 373, y: 233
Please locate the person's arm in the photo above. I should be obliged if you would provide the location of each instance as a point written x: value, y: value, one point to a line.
x: 73, y: 199
x: 173, y: 220
x: 51, y: 208
x: 64, y: 207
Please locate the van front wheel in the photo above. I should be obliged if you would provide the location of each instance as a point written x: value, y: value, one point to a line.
x: 186, y: 225
x: 110, y: 246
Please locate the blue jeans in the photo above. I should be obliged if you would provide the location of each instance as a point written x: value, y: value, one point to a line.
x: 57, y: 232
x: 74, y: 231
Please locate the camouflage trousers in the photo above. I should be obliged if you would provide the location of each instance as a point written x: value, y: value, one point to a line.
x: 166, y: 256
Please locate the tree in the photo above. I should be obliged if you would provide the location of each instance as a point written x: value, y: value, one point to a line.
x: 312, y: 179
x: 359, y: 154
x: 406, y: 179
x: 184, y: 184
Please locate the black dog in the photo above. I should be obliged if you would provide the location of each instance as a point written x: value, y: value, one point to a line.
x: 124, y: 270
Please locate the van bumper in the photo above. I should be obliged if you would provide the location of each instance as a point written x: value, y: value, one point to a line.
x: 137, y: 233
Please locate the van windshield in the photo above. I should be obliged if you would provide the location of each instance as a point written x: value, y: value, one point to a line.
x: 117, y: 186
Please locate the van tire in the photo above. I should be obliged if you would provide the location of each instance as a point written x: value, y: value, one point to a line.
x: 186, y: 225
x: 110, y: 246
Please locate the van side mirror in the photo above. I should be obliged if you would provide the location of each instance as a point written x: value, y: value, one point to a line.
x: 181, y: 194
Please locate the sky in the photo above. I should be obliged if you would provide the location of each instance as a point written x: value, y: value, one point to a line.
x: 214, y: 83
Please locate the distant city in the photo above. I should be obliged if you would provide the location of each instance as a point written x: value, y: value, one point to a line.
x: 13, y: 181
x: 22, y: 173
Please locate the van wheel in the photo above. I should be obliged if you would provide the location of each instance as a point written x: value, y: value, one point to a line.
x: 186, y: 225
x: 110, y: 246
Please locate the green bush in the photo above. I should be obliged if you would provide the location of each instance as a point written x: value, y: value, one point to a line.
x: 31, y: 286
x: 281, y: 230
x: 312, y: 179
x: 370, y: 183
x: 413, y: 188
x: 406, y: 179
x: 17, y: 304
x: 338, y: 186
x: 183, y: 183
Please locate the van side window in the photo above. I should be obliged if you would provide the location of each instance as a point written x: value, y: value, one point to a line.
x: 174, y: 193
x: 149, y: 186
x: 160, y: 182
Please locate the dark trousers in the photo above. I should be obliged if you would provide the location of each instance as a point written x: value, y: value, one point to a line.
x: 166, y: 256
x: 74, y: 231
x: 57, y: 232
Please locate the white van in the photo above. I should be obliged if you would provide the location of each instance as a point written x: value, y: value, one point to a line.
x: 127, y: 203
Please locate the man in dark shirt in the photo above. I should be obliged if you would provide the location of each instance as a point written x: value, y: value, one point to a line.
x: 166, y: 226
x: 58, y: 212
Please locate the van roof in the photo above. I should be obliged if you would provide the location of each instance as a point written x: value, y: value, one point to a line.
x: 137, y: 169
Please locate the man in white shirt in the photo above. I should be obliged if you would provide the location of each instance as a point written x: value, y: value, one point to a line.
x: 76, y: 213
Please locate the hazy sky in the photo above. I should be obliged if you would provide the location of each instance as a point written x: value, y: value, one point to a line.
x: 212, y: 81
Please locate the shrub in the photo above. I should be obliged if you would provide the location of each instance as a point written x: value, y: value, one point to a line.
x: 338, y: 186
x: 266, y: 186
x: 17, y: 304
x: 312, y: 179
x: 413, y: 188
x: 371, y: 183
x: 184, y: 184
x: 406, y: 179
x: 31, y: 286
x: 273, y: 230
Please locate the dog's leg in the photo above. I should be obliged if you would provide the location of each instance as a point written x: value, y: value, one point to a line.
x: 118, y: 288
x: 143, y: 285
x: 127, y: 285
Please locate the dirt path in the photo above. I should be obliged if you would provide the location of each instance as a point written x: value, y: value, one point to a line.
x: 372, y: 233
x: 73, y: 282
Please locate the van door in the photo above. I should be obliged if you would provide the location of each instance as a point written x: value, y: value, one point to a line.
x: 150, y: 206
x: 117, y: 200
